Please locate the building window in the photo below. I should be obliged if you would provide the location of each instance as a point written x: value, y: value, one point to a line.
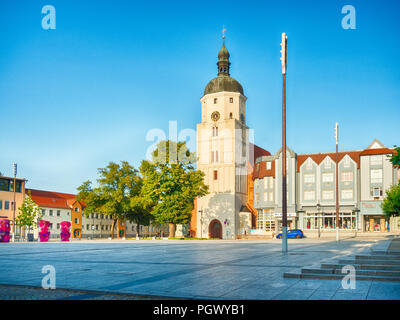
x: 43, y: 211
x: 347, y: 176
x: 376, y: 192
x: 346, y: 161
x: 215, y: 174
x: 76, y: 209
x: 231, y: 100
x: 230, y: 115
x: 309, y: 178
x: 50, y: 213
x: 87, y: 227
x: 376, y: 176
x: 97, y: 227
x: 6, y: 205
x: 327, y: 163
x: 1, y: 204
x: 58, y: 226
x: 58, y: 213
x: 268, y: 165
x: 309, y: 164
x: 376, y: 160
x: 327, y: 177
x: 309, y: 195
x: 257, y: 196
x: 271, y: 196
x: 347, y: 194
x: 97, y: 215
x: 327, y: 194
x: 215, y: 100
x: 265, y: 196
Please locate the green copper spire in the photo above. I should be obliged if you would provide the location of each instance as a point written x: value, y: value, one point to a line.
x: 223, y: 61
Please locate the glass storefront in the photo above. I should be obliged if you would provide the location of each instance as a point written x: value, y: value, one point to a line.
x: 376, y: 223
x: 265, y: 220
x: 327, y: 221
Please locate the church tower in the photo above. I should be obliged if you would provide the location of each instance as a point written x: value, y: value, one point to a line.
x: 223, y: 153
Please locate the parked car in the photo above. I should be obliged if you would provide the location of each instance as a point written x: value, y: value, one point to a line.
x: 295, y: 233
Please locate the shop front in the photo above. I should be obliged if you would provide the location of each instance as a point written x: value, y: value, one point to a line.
x: 325, y: 219
x: 291, y: 220
x: 374, y: 220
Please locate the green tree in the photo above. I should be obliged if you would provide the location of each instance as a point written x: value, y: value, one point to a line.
x: 118, y: 184
x: 391, y: 204
x: 29, y: 213
x: 171, y: 183
x: 395, y: 157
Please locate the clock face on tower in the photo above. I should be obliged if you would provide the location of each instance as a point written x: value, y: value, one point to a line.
x: 215, y: 116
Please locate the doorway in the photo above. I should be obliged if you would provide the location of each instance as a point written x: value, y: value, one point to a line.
x: 215, y: 229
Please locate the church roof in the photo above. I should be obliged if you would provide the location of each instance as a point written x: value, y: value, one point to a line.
x: 224, y: 82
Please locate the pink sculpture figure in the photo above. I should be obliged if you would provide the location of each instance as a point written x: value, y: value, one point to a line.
x: 65, y: 234
x: 44, y: 233
x: 4, y: 230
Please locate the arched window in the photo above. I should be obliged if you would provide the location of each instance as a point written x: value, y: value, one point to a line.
x: 230, y: 115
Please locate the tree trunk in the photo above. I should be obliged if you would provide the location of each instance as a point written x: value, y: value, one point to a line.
x: 172, y: 228
x: 137, y: 229
x: 113, y: 227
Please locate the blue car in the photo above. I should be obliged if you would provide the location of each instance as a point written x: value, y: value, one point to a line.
x: 296, y: 233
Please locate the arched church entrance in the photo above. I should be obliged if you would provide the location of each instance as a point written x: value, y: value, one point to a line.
x: 215, y: 229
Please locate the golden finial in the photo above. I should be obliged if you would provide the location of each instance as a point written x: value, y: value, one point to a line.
x: 223, y: 32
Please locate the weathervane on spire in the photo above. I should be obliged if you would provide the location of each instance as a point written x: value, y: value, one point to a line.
x: 223, y: 32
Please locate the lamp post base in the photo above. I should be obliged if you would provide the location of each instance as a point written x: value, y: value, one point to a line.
x: 284, y: 240
x: 337, y: 234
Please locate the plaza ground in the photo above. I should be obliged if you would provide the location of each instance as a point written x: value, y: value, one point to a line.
x: 241, y: 269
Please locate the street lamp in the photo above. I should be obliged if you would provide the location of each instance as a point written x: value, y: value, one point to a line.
x: 318, y: 224
x: 356, y: 210
x: 284, y: 192
x: 14, y: 205
x: 337, y: 180
x: 201, y: 223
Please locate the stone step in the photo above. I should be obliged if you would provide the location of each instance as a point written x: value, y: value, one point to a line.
x: 339, y: 277
x: 360, y: 267
x: 379, y: 257
x: 370, y: 261
x: 383, y: 273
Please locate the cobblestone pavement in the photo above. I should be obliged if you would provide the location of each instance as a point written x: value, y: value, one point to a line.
x: 245, y: 269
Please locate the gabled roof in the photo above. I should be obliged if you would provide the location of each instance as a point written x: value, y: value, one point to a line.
x: 319, y: 157
x: 52, y: 199
x: 376, y: 147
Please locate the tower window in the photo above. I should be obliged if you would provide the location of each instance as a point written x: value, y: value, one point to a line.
x: 215, y: 174
x: 215, y: 100
x: 215, y: 131
x: 230, y: 115
x: 231, y: 100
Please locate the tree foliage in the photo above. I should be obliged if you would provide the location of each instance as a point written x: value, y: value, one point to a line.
x: 171, y: 183
x: 29, y: 213
x: 395, y: 158
x: 118, y: 185
x: 391, y: 203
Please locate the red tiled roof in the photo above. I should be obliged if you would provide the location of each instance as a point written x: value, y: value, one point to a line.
x: 319, y: 157
x: 259, y: 152
x: 376, y: 151
x: 52, y: 199
x: 260, y: 171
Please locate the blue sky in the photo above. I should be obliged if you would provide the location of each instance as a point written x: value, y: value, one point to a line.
x: 75, y: 98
